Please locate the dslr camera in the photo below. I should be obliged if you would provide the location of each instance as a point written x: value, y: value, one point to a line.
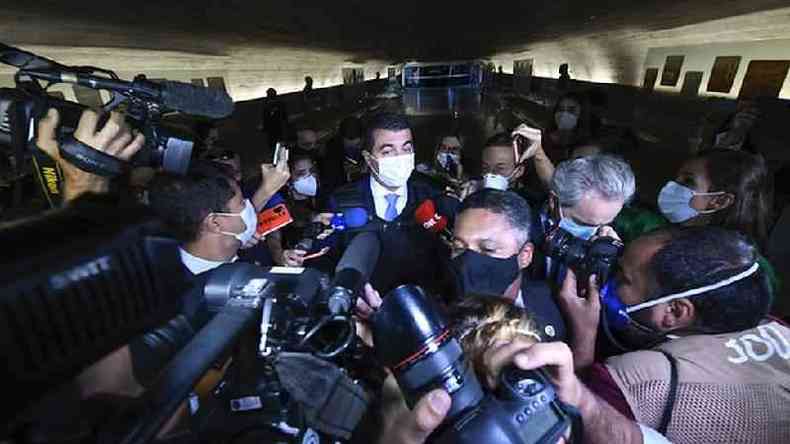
x: 413, y: 339
x: 585, y: 257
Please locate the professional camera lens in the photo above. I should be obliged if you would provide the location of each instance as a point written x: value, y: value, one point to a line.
x: 412, y: 338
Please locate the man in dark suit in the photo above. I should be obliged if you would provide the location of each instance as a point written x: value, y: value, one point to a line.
x: 390, y: 195
x: 492, y: 248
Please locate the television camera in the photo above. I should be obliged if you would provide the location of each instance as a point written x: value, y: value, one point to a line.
x: 143, y: 101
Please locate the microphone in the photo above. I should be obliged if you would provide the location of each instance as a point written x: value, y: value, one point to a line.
x: 426, y: 215
x: 350, y: 218
x: 196, y: 100
x: 347, y: 219
x: 177, y: 96
x: 354, y: 269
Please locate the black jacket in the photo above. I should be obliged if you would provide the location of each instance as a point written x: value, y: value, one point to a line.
x: 538, y: 301
x: 409, y: 254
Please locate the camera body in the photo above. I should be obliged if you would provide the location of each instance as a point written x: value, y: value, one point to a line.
x: 297, y: 326
x: 412, y: 338
x: 585, y: 257
x: 524, y: 397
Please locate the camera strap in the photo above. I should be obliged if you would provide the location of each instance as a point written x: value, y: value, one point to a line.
x: 577, y: 426
x: 90, y: 159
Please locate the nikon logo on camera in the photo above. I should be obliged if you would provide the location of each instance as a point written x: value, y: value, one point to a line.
x: 51, y: 179
x: 79, y: 273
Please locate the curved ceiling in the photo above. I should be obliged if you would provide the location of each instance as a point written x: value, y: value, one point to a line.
x: 408, y: 29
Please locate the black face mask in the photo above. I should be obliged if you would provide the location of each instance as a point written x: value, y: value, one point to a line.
x: 477, y: 273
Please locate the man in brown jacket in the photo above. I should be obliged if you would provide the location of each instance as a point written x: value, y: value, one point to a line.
x: 705, y: 365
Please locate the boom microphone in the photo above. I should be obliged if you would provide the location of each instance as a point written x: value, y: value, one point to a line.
x: 354, y: 269
x: 177, y: 96
x: 426, y: 215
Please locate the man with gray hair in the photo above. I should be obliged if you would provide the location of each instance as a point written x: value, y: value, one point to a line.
x: 586, y: 195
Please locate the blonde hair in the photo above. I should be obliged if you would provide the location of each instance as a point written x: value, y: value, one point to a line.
x: 482, y: 321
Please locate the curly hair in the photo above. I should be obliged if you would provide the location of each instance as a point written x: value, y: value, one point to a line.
x: 480, y: 321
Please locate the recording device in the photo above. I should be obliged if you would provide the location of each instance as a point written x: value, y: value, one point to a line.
x: 452, y: 168
x: 347, y: 219
x: 286, y: 376
x: 290, y: 314
x: 280, y: 151
x: 352, y: 271
x: 273, y: 219
x: 65, y: 305
x: 585, y: 257
x: 143, y: 101
x: 426, y: 215
x: 412, y: 337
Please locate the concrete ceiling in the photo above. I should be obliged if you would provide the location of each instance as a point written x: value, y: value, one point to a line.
x: 395, y: 31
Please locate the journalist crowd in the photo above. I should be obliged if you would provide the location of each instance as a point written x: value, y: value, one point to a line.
x: 653, y: 321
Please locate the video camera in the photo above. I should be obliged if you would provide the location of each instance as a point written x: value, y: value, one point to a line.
x: 286, y: 377
x: 143, y: 101
x: 66, y: 305
x: 585, y: 257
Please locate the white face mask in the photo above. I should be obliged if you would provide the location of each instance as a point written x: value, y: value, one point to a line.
x: 444, y: 159
x: 566, y: 120
x: 250, y: 219
x: 307, y: 185
x: 674, y: 201
x: 394, y: 171
x: 496, y: 182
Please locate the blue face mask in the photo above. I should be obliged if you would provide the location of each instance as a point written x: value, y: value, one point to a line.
x: 674, y: 201
x: 577, y: 230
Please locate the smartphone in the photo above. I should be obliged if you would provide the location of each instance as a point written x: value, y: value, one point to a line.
x: 273, y: 219
x: 280, y: 150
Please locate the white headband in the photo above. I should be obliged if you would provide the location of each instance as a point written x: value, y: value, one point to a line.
x: 695, y: 291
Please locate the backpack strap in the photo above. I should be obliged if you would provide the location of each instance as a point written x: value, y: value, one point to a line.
x: 666, y: 417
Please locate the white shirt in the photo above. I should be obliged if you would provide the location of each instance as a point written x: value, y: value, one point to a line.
x: 198, y: 265
x: 380, y: 197
x: 650, y: 436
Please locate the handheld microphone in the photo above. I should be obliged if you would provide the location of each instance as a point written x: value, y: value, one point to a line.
x: 347, y: 219
x: 426, y: 215
x: 177, y: 96
x: 354, y: 269
x: 350, y: 218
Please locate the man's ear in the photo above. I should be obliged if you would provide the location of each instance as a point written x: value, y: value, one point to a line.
x: 721, y: 202
x: 525, y: 255
x: 211, y: 224
x: 679, y: 314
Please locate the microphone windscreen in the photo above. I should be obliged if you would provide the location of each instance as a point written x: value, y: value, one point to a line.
x: 196, y: 100
x: 361, y: 255
x: 425, y: 212
x: 355, y: 217
x: 426, y: 215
